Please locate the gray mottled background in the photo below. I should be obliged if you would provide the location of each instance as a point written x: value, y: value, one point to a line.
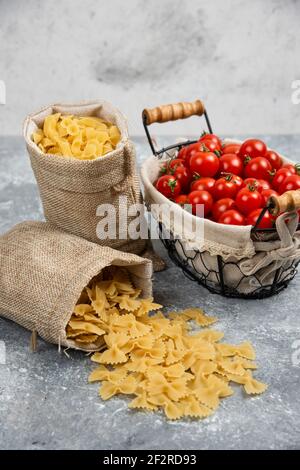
x: 241, y: 57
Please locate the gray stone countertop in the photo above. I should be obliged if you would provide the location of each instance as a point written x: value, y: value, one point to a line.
x: 46, y: 402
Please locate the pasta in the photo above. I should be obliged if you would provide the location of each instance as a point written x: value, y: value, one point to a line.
x: 84, y: 138
x: 154, y: 357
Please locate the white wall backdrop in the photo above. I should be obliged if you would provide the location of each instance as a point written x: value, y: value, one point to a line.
x: 239, y: 56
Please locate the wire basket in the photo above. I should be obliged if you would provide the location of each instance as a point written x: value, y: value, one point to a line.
x: 213, y: 275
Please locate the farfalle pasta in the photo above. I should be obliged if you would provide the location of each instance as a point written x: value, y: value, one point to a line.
x: 157, y: 359
x: 59, y: 282
x: 84, y: 138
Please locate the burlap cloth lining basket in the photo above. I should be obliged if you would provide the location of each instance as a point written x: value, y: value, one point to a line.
x: 71, y: 189
x: 254, y: 263
x: 44, y: 270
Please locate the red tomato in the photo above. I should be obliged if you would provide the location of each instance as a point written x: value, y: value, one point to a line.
x: 232, y: 217
x: 231, y: 163
x: 210, y: 146
x: 227, y: 186
x: 248, y: 199
x: 295, y: 169
x: 175, y: 163
x: 274, y: 159
x: 252, y: 182
x: 252, y: 148
x: 168, y: 186
x: 183, y: 175
x: 259, y: 168
x: 289, y: 184
x: 266, y: 221
x: 203, y: 184
x: 166, y: 168
x: 191, y: 150
x: 221, y: 206
x: 182, y: 153
x: 182, y: 199
x: 212, y: 137
x: 201, y: 197
x: 204, y: 164
x: 262, y: 185
x: 266, y: 193
x: 238, y: 181
x: 279, y: 177
x: 231, y: 148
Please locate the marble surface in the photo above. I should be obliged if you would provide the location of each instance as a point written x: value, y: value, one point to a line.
x: 46, y: 403
x: 240, y: 57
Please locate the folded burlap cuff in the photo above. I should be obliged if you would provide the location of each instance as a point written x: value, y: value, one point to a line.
x: 71, y: 189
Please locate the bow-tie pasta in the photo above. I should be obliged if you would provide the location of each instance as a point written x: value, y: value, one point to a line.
x: 84, y: 138
x: 157, y: 359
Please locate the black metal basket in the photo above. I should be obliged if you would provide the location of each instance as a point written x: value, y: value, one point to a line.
x: 175, y: 246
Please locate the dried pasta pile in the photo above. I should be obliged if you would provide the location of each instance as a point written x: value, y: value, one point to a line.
x: 84, y: 138
x: 157, y: 359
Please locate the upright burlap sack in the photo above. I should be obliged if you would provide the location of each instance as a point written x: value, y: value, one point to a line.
x: 71, y: 189
x: 44, y: 270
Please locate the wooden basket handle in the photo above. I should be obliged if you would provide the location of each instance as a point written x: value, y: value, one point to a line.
x: 172, y: 112
x: 287, y: 202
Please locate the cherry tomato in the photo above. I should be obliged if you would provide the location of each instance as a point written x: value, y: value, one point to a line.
x: 262, y: 185
x: 232, y: 217
x: 221, y: 206
x: 252, y: 148
x: 183, y: 175
x: 266, y: 193
x: 259, y: 168
x: 191, y: 150
x: 231, y: 148
x: 295, y: 169
x: 166, y: 168
x: 208, y: 145
x: 227, y: 186
x: 169, y: 186
x: 182, y: 199
x: 203, y: 184
x: 274, y: 159
x: 266, y: 221
x: 204, y: 164
x: 182, y: 153
x: 175, y: 163
x: 251, y: 182
x: 231, y: 163
x: 238, y: 181
x: 279, y: 177
x: 201, y: 197
x: 248, y: 199
x: 289, y: 184
x: 212, y: 137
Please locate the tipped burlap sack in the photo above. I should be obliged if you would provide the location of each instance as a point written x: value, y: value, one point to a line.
x: 44, y: 270
x: 71, y: 189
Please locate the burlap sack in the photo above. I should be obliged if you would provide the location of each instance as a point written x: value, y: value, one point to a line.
x: 44, y: 270
x: 71, y: 190
x: 247, y: 265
